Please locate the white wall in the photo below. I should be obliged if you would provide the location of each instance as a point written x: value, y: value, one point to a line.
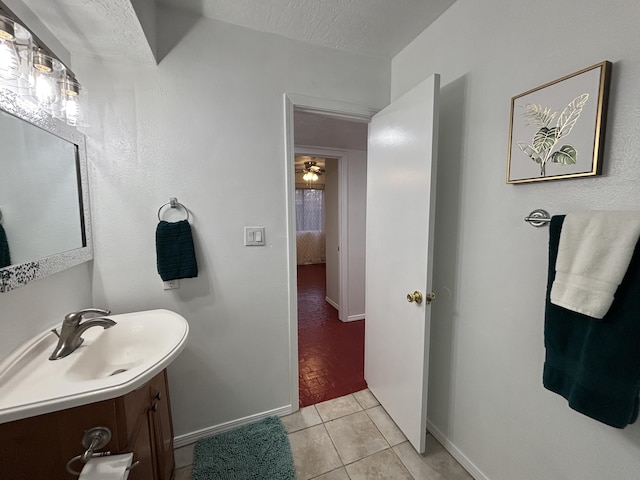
x: 331, y: 228
x: 207, y: 126
x: 356, y: 205
x: 33, y: 308
x: 486, y: 394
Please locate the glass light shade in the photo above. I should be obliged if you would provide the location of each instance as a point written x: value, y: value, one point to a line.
x: 9, y: 61
x: 43, y: 82
x: 7, y: 28
x: 73, y: 104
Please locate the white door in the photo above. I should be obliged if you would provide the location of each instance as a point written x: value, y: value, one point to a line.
x: 401, y: 174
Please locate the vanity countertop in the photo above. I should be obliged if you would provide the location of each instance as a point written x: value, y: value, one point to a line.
x: 109, y: 363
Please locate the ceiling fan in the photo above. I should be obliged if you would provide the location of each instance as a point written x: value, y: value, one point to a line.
x: 311, y: 171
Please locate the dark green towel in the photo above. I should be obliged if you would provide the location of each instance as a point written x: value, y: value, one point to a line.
x: 174, y: 247
x: 595, y: 364
x: 5, y: 257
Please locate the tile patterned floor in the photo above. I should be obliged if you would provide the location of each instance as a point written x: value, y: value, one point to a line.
x: 330, y: 352
x: 353, y: 438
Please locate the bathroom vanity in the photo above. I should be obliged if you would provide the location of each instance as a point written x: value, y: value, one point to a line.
x: 140, y: 422
x: 115, y: 379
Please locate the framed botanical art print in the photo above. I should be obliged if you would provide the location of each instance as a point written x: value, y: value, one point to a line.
x: 557, y: 130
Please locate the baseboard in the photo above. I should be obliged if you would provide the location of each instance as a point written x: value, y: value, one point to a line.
x: 332, y: 303
x: 189, y: 438
x: 456, y: 453
x: 353, y: 318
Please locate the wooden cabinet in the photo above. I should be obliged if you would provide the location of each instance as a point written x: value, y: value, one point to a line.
x: 140, y: 422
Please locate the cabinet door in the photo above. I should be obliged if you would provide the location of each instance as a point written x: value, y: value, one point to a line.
x: 40, y: 447
x: 142, y: 448
x: 135, y: 432
x: 162, y: 427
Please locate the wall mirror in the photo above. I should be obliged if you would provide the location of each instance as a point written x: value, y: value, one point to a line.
x: 44, y: 202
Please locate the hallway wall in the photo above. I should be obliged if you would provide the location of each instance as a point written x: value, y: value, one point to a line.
x: 207, y: 126
x: 486, y: 395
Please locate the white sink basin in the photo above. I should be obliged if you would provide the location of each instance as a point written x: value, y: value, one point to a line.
x: 109, y: 363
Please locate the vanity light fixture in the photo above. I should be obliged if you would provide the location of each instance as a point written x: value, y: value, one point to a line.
x: 34, y: 75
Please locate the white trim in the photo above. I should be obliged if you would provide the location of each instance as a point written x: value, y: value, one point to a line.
x: 332, y: 108
x: 343, y: 237
x: 353, y: 318
x: 332, y: 303
x: 456, y: 453
x: 292, y: 263
x: 193, y: 437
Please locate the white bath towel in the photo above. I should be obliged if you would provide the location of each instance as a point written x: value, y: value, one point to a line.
x: 593, y: 255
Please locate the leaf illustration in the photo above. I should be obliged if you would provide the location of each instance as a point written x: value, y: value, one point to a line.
x: 570, y: 114
x: 545, y: 139
x: 531, y: 152
x: 538, y: 115
x: 567, y: 155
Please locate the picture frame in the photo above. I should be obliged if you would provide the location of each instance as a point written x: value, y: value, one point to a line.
x: 557, y: 130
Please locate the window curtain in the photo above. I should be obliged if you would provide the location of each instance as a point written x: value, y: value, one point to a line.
x: 310, y: 239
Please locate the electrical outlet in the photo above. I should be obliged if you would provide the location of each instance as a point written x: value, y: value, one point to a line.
x: 171, y: 284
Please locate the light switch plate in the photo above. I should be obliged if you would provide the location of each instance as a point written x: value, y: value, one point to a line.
x: 254, y: 237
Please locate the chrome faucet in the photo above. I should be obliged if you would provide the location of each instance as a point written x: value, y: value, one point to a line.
x: 70, y: 336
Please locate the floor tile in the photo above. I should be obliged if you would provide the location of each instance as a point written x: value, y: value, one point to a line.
x: 184, y: 455
x: 443, y: 462
x: 384, y: 465
x: 366, y: 399
x: 338, y: 407
x: 340, y: 474
x: 436, y: 463
x: 303, y: 418
x: 355, y: 437
x: 313, y: 452
x: 386, y: 425
x: 183, y: 473
x: 415, y: 463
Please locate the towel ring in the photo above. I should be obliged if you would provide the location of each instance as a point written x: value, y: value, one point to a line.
x: 173, y: 203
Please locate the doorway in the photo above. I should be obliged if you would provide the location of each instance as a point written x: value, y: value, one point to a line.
x: 330, y: 313
x: 330, y: 351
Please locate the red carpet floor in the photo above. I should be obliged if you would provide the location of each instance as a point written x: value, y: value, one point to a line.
x: 330, y: 352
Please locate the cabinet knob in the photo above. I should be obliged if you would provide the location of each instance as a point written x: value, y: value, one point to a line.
x: 158, y: 396
x: 154, y: 407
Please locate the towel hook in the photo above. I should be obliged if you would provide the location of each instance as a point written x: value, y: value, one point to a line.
x: 538, y: 218
x: 173, y: 203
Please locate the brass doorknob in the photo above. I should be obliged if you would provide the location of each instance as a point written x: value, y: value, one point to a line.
x: 414, y: 297
x: 417, y: 297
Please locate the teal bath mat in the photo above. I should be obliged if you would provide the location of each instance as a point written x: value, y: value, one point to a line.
x: 258, y: 451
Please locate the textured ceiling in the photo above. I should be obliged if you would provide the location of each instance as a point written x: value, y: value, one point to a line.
x: 104, y: 28
x: 373, y: 27
x: 110, y: 28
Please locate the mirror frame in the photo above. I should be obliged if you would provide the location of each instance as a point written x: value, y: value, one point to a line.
x: 17, y: 275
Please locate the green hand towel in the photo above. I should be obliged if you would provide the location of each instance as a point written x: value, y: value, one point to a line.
x: 595, y: 364
x: 5, y: 257
x: 175, y: 251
